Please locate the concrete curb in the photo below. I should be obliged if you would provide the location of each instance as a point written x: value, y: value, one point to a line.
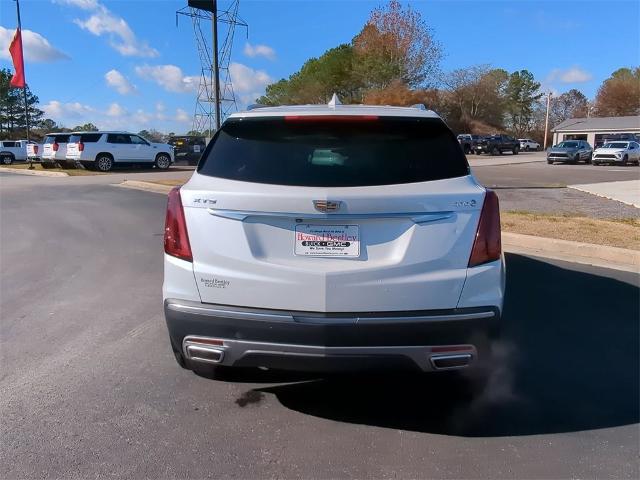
x: 146, y: 186
x: 565, y: 250
x: 38, y: 173
x: 575, y: 252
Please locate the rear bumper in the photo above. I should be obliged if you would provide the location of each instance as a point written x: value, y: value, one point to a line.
x: 422, y: 340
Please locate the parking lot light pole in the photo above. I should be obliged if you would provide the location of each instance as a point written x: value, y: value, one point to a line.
x: 546, y: 120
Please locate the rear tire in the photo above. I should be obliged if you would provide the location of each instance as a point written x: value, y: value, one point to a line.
x: 549, y: 162
x: 516, y: 150
x: 104, y: 162
x: 7, y: 159
x: 163, y: 161
x: 495, y: 151
x: 526, y: 148
x: 625, y: 160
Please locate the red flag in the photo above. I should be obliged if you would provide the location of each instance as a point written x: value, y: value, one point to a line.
x: 15, y: 49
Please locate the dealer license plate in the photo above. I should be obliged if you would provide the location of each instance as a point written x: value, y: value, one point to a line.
x: 327, y: 240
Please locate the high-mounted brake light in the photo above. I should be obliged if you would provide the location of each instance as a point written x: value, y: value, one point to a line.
x: 55, y: 147
x: 330, y: 118
x: 487, y: 245
x: 176, y: 238
x: 80, y: 146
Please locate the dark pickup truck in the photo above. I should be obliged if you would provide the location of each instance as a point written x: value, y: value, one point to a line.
x: 496, y: 145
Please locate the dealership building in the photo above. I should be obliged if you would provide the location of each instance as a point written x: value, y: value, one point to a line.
x: 597, y: 130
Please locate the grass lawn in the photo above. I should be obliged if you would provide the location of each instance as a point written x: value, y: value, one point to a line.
x: 614, y: 233
x: 73, y: 172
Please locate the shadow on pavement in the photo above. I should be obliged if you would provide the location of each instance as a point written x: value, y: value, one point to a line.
x: 569, y: 361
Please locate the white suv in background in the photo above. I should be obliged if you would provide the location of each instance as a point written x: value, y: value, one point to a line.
x: 54, y: 148
x: 330, y: 237
x: 13, y: 151
x: 103, y: 150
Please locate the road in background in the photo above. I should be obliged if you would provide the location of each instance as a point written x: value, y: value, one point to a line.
x: 89, y: 386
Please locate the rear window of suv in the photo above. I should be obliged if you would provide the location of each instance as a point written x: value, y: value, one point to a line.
x: 334, y: 152
x: 56, y: 139
x: 85, y: 138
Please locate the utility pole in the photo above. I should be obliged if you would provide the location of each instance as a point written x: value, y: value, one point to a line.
x: 546, y: 121
x: 216, y: 86
x: 24, y: 88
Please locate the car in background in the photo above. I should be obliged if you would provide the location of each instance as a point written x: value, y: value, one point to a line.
x: 527, y: 144
x: 332, y: 238
x: 54, y: 149
x: 187, y: 148
x: 102, y: 151
x: 497, y: 145
x: 466, y: 141
x: 624, y: 153
x: 570, y: 151
x: 13, y: 151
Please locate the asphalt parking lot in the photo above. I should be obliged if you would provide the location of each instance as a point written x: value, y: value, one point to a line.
x: 89, y: 387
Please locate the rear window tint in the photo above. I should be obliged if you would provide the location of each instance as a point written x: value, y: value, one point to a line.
x: 85, y: 138
x: 56, y: 139
x: 334, y: 153
x: 8, y: 144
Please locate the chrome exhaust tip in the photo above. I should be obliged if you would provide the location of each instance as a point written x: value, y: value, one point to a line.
x: 448, y: 362
x: 202, y: 353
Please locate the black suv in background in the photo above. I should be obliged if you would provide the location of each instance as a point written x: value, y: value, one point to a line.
x: 187, y: 148
x: 496, y: 145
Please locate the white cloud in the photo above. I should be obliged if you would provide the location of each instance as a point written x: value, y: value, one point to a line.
x: 570, y: 75
x: 103, y: 22
x: 72, y: 110
x: 116, y: 110
x: 182, y: 116
x: 246, y: 79
x: 119, y: 82
x: 259, y: 51
x: 169, y: 77
x: 36, y: 47
x: 117, y: 117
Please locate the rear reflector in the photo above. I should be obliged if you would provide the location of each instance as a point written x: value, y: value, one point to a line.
x: 487, y: 246
x: 330, y: 118
x: 176, y: 238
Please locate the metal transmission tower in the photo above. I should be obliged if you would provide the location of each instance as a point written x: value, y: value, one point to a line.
x: 216, y: 98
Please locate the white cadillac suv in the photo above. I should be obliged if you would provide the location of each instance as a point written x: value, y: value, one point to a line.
x: 332, y: 238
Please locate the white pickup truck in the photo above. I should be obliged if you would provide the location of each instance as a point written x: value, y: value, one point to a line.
x: 13, y: 151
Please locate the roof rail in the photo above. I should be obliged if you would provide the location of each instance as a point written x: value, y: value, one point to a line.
x: 419, y: 106
x: 253, y: 106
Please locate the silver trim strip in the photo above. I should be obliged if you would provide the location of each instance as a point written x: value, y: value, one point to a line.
x: 417, y: 217
x: 304, y: 318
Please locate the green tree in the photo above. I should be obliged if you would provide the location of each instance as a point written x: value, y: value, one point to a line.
x: 87, y: 127
x: 521, y: 94
x: 317, y: 80
x: 12, y: 113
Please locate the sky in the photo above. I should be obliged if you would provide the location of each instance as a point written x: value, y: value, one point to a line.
x: 126, y: 65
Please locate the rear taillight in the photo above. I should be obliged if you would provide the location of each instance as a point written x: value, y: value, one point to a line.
x: 487, y: 246
x: 80, y: 146
x: 55, y: 147
x: 176, y: 238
